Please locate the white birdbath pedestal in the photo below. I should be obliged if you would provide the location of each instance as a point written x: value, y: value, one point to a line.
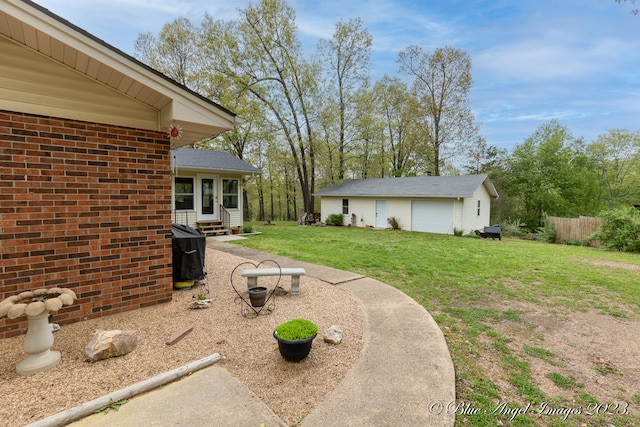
x: 36, y: 306
x: 37, y: 344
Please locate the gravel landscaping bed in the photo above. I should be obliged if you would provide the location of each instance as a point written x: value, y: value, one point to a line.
x: 246, y: 344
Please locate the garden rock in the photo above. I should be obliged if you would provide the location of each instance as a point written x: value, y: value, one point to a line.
x: 200, y: 303
x: 333, y: 335
x: 106, y: 344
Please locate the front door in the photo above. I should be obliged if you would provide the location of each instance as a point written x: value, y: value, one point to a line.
x: 207, y: 198
x: 381, y: 214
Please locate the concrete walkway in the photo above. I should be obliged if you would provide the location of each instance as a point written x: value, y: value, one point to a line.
x: 404, y: 376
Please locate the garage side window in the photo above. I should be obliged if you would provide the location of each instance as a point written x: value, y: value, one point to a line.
x: 345, y: 206
x: 230, y: 193
x: 183, y: 193
x: 478, y: 207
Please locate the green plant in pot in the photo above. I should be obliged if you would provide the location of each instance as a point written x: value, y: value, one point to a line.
x: 295, y: 338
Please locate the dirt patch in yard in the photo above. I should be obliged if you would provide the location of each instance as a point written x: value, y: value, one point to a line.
x: 596, y: 350
x: 594, y: 354
x: 613, y: 264
x: 579, y: 358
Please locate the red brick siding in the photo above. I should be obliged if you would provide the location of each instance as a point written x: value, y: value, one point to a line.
x: 84, y: 206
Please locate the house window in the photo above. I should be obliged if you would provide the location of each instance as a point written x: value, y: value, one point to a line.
x: 478, y: 207
x: 230, y: 193
x: 183, y: 193
x: 345, y: 206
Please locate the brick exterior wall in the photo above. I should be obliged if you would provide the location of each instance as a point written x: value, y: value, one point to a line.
x: 87, y: 207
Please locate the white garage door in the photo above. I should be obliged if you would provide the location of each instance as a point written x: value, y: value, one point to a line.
x: 432, y: 216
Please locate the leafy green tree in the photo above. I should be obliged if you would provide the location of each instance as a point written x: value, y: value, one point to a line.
x: 177, y: 53
x: 489, y: 159
x: 551, y: 174
x: 481, y: 157
x: 261, y: 55
x: 394, y: 104
x: 242, y: 141
x: 362, y: 157
x: 441, y: 85
x: 370, y: 130
x: 345, y: 59
x: 620, y: 230
x: 174, y: 52
x: 617, y: 157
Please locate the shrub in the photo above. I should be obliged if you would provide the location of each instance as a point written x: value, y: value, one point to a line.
x: 394, y: 223
x: 546, y: 233
x: 457, y: 232
x: 335, y: 219
x: 247, y: 229
x: 514, y: 228
x: 620, y: 230
x: 296, y: 329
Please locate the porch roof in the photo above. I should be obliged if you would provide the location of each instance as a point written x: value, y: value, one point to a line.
x: 192, y: 158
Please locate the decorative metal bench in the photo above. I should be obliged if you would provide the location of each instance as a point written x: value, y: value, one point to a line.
x: 494, y: 231
x: 295, y: 273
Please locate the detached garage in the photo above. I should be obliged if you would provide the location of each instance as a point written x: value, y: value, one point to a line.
x: 432, y: 204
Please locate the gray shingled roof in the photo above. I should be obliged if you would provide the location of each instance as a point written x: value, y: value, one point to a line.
x: 209, y: 159
x: 417, y: 186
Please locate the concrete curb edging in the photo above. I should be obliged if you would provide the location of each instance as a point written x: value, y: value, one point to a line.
x: 88, y: 408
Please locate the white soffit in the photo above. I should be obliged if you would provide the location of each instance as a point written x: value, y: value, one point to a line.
x: 38, y: 29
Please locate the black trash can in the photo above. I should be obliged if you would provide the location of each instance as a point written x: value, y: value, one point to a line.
x: 188, y: 247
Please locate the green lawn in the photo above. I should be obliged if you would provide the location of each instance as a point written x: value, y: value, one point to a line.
x: 468, y: 285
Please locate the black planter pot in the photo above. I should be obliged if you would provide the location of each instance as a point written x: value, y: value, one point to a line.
x: 294, y: 351
x: 257, y: 296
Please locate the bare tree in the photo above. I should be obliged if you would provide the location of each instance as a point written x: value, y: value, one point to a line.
x: 442, y: 81
x: 345, y: 59
x: 394, y: 105
x: 174, y: 52
x: 261, y: 55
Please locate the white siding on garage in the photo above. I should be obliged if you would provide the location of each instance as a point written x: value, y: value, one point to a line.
x: 432, y: 216
x: 364, y: 211
x: 470, y: 218
x: 426, y: 215
x: 401, y: 210
x: 330, y: 206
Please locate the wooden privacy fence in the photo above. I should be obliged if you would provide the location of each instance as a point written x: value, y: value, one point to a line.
x: 575, y: 228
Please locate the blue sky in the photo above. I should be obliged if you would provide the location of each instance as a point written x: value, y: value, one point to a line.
x: 577, y: 61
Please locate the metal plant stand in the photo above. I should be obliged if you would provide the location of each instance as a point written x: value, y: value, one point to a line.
x: 250, y: 305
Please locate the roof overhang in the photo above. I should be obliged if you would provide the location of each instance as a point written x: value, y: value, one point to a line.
x: 491, y: 189
x: 226, y: 170
x: 36, y: 28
